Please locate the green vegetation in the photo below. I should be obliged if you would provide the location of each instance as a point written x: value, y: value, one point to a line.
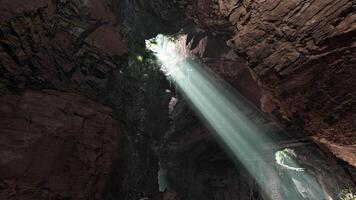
x: 285, y: 159
x: 347, y: 194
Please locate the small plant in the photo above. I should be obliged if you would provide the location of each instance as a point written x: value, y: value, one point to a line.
x: 347, y: 194
x: 285, y: 159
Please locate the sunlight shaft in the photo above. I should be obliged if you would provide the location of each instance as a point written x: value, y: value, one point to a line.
x: 226, y: 113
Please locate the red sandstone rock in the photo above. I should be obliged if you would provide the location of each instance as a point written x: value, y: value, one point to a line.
x: 108, y: 39
x: 213, y: 51
x: 55, y: 145
x: 302, y: 53
x: 68, y: 45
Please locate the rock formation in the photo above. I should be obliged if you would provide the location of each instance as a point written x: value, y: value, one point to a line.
x: 56, y: 145
x: 301, y: 53
x: 85, y: 111
x: 65, y: 45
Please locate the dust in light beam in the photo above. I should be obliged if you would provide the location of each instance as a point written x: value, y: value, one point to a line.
x: 226, y: 113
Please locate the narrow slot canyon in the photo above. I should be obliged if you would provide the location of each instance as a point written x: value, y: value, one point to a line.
x: 178, y: 100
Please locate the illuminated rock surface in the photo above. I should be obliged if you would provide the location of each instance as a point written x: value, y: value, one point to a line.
x: 302, y: 54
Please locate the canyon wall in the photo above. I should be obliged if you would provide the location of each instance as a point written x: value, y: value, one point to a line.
x: 66, y: 45
x: 292, y: 59
x: 196, y: 166
x: 58, y: 58
x: 56, y: 145
x: 301, y: 54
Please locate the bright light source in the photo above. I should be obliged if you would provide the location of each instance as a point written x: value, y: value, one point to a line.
x: 166, y: 50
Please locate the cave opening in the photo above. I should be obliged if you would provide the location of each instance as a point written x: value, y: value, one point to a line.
x: 177, y: 100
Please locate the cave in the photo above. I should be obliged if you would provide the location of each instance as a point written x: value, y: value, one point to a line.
x: 178, y: 100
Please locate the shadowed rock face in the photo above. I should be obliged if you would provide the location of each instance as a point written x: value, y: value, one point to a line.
x: 55, y: 145
x: 144, y: 19
x: 301, y: 53
x: 10, y: 9
x: 198, y: 168
x: 68, y: 45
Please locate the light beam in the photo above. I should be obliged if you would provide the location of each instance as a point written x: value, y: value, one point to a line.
x: 226, y: 113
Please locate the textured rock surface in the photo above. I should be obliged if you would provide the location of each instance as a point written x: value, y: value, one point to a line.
x: 144, y: 19
x: 302, y: 53
x: 145, y: 104
x: 66, y: 142
x: 55, y: 145
x: 10, y: 9
x: 197, y: 167
x: 76, y: 46
x: 190, y: 151
x: 213, y: 51
x: 68, y: 45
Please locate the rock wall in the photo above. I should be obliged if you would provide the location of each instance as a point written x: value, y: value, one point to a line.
x: 77, y: 46
x: 56, y: 145
x: 301, y: 53
x: 212, y: 50
x: 295, y: 59
x: 197, y: 167
x: 67, y: 45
